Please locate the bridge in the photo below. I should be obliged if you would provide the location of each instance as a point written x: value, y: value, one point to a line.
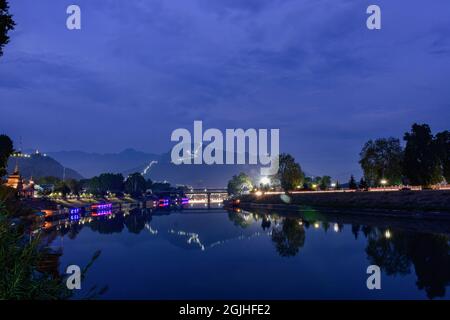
x: 207, y: 196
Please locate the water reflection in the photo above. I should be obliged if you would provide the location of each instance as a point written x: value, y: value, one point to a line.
x: 427, y: 254
x: 289, y: 237
x: 397, y: 247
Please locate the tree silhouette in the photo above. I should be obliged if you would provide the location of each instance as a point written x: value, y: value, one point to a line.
x: 352, y: 183
x: 363, y: 184
x: 6, y: 24
x: 290, y: 173
x: 135, y: 184
x: 421, y: 163
x: 382, y: 159
x: 442, y: 143
x: 6, y: 149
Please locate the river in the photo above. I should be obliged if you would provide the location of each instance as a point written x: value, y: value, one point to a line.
x: 219, y: 254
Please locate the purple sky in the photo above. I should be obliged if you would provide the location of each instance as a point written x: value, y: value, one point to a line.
x: 139, y: 69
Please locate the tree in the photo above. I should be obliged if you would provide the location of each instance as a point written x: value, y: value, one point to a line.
x: 442, y: 145
x: 161, y: 187
x: 106, y: 182
x: 148, y: 184
x: 421, y: 164
x: 135, y: 184
x: 6, y: 149
x: 382, y: 159
x: 363, y: 184
x: 6, y: 24
x: 239, y: 184
x: 307, y: 183
x: 325, y: 182
x: 48, y: 180
x: 290, y: 173
x: 352, y: 183
x: 62, y: 188
x: 73, y: 185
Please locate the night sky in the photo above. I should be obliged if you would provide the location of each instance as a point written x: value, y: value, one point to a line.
x: 139, y: 69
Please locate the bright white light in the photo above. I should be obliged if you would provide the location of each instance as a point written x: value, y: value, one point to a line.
x: 383, y: 181
x: 264, y: 180
x: 336, y: 227
x: 387, y: 234
x: 258, y: 193
x: 333, y: 185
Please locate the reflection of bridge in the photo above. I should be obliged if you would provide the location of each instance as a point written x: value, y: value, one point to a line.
x: 207, y: 196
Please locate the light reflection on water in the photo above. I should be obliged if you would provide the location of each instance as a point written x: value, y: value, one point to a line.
x: 215, y: 254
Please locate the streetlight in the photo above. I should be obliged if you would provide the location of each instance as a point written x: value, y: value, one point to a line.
x: 333, y: 184
x: 264, y: 181
x: 383, y: 182
x: 387, y: 234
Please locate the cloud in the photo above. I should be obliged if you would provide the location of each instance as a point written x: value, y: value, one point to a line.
x: 310, y: 68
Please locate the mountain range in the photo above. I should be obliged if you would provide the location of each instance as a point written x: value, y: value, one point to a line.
x: 38, y: 165
x: 152, y: 166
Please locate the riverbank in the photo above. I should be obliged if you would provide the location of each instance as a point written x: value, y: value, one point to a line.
x: 433, y: 204
x: 44, y: 204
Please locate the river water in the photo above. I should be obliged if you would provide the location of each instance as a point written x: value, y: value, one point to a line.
x: 219, y: 254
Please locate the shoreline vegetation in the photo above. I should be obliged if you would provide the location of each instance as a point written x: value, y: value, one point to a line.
x: 426, y: 204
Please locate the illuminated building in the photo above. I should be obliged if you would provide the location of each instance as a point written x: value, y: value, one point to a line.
x: 15, y: 181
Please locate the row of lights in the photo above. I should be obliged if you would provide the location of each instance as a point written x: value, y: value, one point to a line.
x: 266, y: 181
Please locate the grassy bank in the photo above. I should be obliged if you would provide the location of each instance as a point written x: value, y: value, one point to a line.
x: 426, y: 200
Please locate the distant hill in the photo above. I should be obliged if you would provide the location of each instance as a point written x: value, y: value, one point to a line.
x: 92, y: 164
x: 155, y: 167
x: 197, y: 176
x: 39, y: 165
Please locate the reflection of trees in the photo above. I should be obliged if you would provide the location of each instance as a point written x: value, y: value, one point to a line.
x: 135, y: 223
x: 70, y: 230
x: 355, y: 230
x: 367, y: 230
x: 289, y: 238
x: 105, y: 225
x: 265, y: 224
x: 427, y: 253
x: 238, y: 219
x: 432, y: 263
x: 388, y: 254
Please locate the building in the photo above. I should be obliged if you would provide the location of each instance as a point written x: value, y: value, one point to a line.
x: 24, y: 189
